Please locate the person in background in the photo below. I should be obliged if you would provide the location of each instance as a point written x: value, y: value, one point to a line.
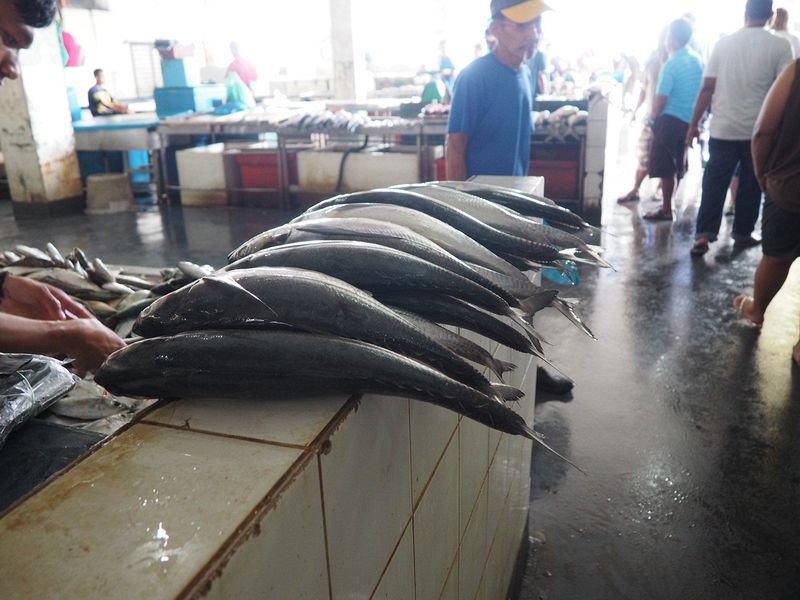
x: 101, y: 103
x: 36, y: 318
x: 780, y: 27
x: 652, y: 69
x: 242, y: 67
x: 538, y: 68
x: 776, y: 157
x: 740, y: 71
x: 446, y: 68
x: 489, y: 131
x: 676, y: 91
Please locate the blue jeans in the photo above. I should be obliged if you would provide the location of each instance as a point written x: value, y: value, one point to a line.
x: 724, y: 155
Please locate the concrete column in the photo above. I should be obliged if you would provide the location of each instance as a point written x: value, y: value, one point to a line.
x: 350, y: 75
x: 36, y: 134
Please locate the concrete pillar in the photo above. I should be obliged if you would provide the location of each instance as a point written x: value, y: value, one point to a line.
x: 350, y: 75
x: 36, y: 134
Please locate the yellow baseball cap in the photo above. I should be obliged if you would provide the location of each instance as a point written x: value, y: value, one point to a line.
x: 519, y: 11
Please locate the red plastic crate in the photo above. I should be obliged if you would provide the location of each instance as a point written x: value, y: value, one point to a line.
x: 560, y: 178
x: 260, y: 169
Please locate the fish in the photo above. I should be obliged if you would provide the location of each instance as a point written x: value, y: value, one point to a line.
x: 72, y: 283
x: 390, y: 235
x: 79, y: 257
x: 133, y: 282
x: 55, y: 255
x: 194, y: 271
x: 117, y: 288
x: 88, y: 401
x: 458, y: 343
x: 267, y: 297
x: 11, y: 257
x: 372, y: 267
x: 102, y: 272
x: 130, y: 311
x: 100, y: 309
x: 490, y: 237
x: 524, y: 203
x: 506, y: 220
x: 447, y: 310
x: 455, y: 242
x: 264, y: 364
x: 32, y: 257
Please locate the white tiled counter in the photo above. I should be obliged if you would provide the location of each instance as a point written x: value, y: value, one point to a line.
x: 375, y: 497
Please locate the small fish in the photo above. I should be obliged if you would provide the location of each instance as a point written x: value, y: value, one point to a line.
x: 117, y: 288
x: 55, y: 255
x: 102, y: 271
x: 80, y: 258
x: 194, y: 271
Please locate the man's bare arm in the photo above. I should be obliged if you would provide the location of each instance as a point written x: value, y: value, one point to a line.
x: 701, y: 105
x: 456, y: 156
x: 770, y: 119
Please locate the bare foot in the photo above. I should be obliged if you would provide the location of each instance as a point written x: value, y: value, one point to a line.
x: 747, y: 308
x: 796, y: 353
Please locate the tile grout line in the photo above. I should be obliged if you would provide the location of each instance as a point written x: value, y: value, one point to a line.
x: 411, y: 489
x: 229, y: 436
x: 415, y: 504
x: 453, y: 566
x: 214, y: 566
x: 391, y: 557
x: 324, y: 527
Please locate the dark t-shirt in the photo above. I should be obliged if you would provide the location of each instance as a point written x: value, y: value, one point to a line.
x: 99, y: 101
x: 537, y: 64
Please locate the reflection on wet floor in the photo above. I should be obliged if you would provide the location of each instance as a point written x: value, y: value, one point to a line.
x: 686, y: 418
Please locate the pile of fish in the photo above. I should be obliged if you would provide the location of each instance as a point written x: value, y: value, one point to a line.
x: 112, y: 295
x: 341, y: 121
x: 352, y: 297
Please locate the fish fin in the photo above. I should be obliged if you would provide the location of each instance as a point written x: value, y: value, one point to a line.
x: 539, y: 439
x: 507, y: 393
x: 500, y: 367
x: 535, y: 337
x: 595, y: 260
x: 566, y: 308
x: 533, y: 304
x: 228, y: 282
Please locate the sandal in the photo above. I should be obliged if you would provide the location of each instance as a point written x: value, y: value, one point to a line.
x: 658, y: 215
x: 700, y: 247
x: 628, y: 198
x: 739, y: 303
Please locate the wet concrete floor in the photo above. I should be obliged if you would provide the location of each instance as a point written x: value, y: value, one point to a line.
x: 686, y: 419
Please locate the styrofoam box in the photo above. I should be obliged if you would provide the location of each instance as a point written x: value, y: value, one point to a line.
x: 318, y: 171
x: 201, y: 172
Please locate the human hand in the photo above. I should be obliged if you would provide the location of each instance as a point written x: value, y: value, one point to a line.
x: 25, y: 297
x: 88, y: 342
x: 691, y: 135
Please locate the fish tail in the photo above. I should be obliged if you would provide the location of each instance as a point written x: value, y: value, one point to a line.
x: 499, y: 367
x: 567, y: 309
x: 539, y: 439
x: 507, y: 393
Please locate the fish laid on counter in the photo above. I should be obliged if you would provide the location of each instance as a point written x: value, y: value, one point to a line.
x: 524, y: 204
x: 493, y: 239
x: 307, y: 301
x: 377, y: 232
x: 289, y: 364
x: 506, y: 220
x: 448, y: 238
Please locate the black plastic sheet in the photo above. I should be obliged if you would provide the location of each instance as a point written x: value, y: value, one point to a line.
x: 28, y: 385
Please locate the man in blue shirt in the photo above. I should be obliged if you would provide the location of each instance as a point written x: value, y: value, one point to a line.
x: 489, y: 132
x: 678, y: 85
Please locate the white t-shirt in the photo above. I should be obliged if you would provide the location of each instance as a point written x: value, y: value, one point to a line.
x: 745, y: 64
x: 793, y: 40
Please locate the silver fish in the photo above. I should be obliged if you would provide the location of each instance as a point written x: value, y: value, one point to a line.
x: 506, y: 220
x: 117, y: 288
x: 490, y: 237
x: 102, y: 272
x: 55, y: 255
x: 372, y: 267
x: 233, y: 364
x: 194, y: 271
x: 304, y: 300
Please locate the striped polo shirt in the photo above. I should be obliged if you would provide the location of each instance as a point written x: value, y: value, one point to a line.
x: 680, y: 81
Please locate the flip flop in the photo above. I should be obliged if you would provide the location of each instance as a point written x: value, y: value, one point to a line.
x: 628, y: 198
x: 739, y: 303
x: 699, y: 248
x: 658, y: 215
